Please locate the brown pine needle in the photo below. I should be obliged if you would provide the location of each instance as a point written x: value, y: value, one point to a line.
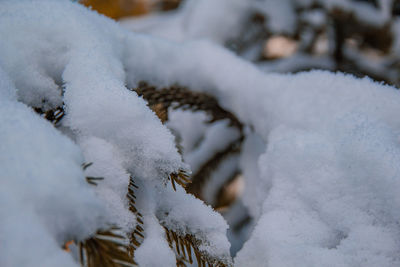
x: 105, y: 249
x: 183, y: 249
x: 136, y: 236
x: 178, y: 97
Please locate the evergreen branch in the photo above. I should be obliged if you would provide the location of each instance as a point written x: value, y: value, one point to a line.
x: 183, y: 247
x: 97, y: 250
x: 136, y: 236
x: 178, y: 97
x: 105, y: 249
x: 182, y: 178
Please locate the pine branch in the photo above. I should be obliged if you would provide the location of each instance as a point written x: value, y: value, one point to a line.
x: 182, y: 178
x: 183, y: 247
x: 178, y: 97
x: 105, y: 249
x: 136, y: 236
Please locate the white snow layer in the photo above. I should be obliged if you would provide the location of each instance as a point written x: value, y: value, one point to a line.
x: 329, y: 171
x: 85, y: 56
x: 59, y: 53
x: 44, y: 197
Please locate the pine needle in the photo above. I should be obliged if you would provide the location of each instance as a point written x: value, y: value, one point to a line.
x: 52, y: 115
x: 181, y: 178
x: 92, y: 180
x: 178, y: 97
x: 183, y: 247
x: 137, y: 235
x: 105, y: 249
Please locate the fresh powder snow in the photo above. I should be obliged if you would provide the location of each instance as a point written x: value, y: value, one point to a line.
x: 320, y: 158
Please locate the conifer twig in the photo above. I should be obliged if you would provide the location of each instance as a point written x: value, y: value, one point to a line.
x: 105, y: 249
x: 137, y: 235
x: 178, y: 97
x: 187, y: 245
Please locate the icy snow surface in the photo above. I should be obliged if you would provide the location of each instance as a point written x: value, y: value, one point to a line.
x: 321, y: 157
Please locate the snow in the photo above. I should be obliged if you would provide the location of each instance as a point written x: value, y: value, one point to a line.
x: 320, y: 157
x: 215, y: 139
x: 189, y: 126
x: 333, y: 208
x: 182, y: 213
x: 113, y: 187
x: 334, y: 181
x: 339, y: 145
x: 94, y: 64
x: 39, y: 203
x: 78, y: 62
x: 255, y: 188
x: 154, y: 251
x: 176, y: 210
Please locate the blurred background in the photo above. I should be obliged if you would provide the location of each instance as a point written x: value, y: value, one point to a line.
x: 354, y: 36
x: 117, y: 9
